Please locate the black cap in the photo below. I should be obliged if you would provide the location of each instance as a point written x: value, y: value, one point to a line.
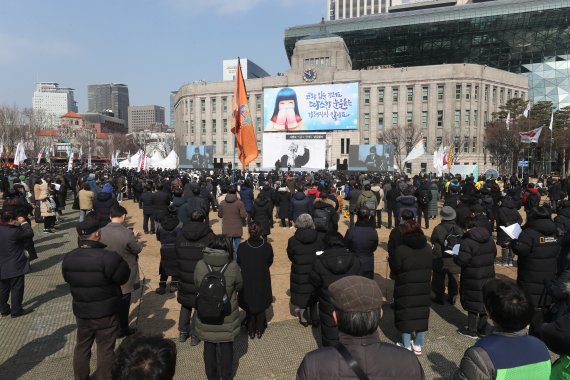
x: 87, y: 227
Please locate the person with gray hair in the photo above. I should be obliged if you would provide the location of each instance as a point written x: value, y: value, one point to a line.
x: 357, y: 303
x: 301, y: 250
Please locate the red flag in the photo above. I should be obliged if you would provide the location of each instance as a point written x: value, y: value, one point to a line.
x: 243, y: 123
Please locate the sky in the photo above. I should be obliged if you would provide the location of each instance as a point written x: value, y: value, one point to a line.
x: 153, y: 46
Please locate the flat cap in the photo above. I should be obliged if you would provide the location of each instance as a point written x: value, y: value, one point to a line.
x: 356, y: 294
x: 87, y: 227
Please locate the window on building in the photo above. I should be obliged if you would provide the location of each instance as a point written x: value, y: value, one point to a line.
x: 466, y: 144
x: 440, y: 119
x: 409, y: 118
x: 225, y: 124
x: 410, y: 94
x: 258, y: 124
x: 203, y: 142
x: 440, y: 92
x: 424, y: 119
x: 192, y: 124
x: 523, y: 95
x: 191, y: 106
x: 468, y: 118
x: 381, y: 95
x: 258, y: 102
x: 476, y: 94
x: 224, y: 104
x: 366, y: 96
x: 347, y: 146
x: 341, y: 146
x: 225, y: 147
x: 215, y: 143
x: 214, y: 125
x: 475, y: 118
x: 203, y: 105
x: 457, y: 118
x: 468, y: 92
x: 203, y: 126
x: 486, y: 98
x: 366, y: 121
x: 380, y: 120
x: 438, y: 141
x: 395, y: 95
x: 213, y: 105
x: 456, y: 144
x: 366, y: 141
x: 501, y: 96
x: 474, y: 145
x: 394, y: 119
x: 516, y: 94
x: 509, y: 95
x: 458, y: 91
x: 485, y: 117
x: 425, y: 94
x: 494, y: 94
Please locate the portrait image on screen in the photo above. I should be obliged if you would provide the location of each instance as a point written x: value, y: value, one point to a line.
x: 377, y: 158
x: 295, y: 151
x: 196, y: 157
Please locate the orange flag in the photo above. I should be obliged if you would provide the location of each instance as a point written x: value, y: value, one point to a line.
x: 243, y: 124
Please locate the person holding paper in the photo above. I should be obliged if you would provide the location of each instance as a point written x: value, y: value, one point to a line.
x: 506, y: 216
x: 537, y: 248
x: 476, y: 258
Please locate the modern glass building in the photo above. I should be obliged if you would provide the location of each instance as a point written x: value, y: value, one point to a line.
x: 530, y: 37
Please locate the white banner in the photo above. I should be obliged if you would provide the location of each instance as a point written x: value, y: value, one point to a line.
x: 297, y: 150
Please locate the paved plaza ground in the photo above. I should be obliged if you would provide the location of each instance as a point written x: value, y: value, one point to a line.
x: 40, y: 345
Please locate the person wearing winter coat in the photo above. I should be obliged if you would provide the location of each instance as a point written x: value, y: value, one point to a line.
x: 530, y: 198
x: 190, y: 242
x: 262, y: 215
x: 254, y: 257
x: 283, y: 201
x: 355, y: 192
x: 443, y: 265
x: 537, y: 249
x: 300, y: 204
x: 362, y: 240
x: 246, y: 196
x: 218, y: 254
x: 15, y: 232
x: 86, y: 197
x: 367, y: 199
x: 146, y: 199
x: 508, y: 352
x: 411, y: 266
x: 476, y: 258
x: 507, y: 215
x: 47, y: 205
x: 424, y: 197
x: 378, y: 192
x: 160, y: 202
x: 166, y: 234
x: 562, y: 221
x: 195, y: 203
x: 233, y: 212
x: 324, y: 214
x: 433, y: 203
x: 391, y: 195
x: 302, y: 250
x: 334, y: 263
x: 102, y: 204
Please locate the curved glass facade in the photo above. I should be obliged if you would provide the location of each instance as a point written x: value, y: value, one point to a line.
x: 530, y: 37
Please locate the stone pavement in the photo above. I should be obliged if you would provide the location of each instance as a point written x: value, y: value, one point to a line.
x: 40, y: 345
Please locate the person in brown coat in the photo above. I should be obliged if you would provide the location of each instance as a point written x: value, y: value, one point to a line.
x: 233, y: 213
x: 122, y: 240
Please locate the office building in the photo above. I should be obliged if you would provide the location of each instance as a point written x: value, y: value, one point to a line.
x: 343, y: 9
x: 450, y: 103
x: 143, y: 117
x: 54, y: 101
x: 249, y: 69
x: 109, y: 98
x: 528, y: 37
x: 172, y: 98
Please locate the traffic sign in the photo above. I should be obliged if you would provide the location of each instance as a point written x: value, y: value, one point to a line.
x: 523, y: 164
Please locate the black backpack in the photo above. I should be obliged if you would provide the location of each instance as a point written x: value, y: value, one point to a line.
x: 532, y: 201
x: 452, y: 238
x: 212, y: 302
x: 424, y: 197
x: 321, y: 219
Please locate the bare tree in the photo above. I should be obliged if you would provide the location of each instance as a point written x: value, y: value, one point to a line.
x: 503, y: 144
x: 403, y: 138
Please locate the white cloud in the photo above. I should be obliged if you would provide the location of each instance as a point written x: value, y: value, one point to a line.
x: 17, y: 48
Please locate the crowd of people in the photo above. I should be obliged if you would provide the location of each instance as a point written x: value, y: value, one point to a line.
x: 513, y: 324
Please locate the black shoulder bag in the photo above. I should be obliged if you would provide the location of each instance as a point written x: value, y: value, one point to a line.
x: 352, y: 363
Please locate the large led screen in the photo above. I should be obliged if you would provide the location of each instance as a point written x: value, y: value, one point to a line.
x: 196, y: 157
x: 377, y: 158
x: 311, y: 108
x: 295, y: 150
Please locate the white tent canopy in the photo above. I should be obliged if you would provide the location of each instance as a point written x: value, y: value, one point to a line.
x: 153, y: 158
x: 170, y: 162
x: 132, y: 163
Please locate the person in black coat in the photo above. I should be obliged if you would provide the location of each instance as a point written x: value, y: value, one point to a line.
x: 334, y: 263
x: 166, y: 234
x: 300, y: 204
x: 195, y: 203
x: 476, y: 258
x: 102, y: 204
x: 192, y: 239
x: 507, y: 215
x: 262, y: 215
x: 160, y: 201
x: 537, y: 248
x: 283, y: 201
x: 391, y: 195
x: 255, y: 256
x: 15, y: 232
x: 324, y: 214
x: 362, y: 240
x: 95, y: 276
x: 395, y: 238
x: 146, y: 199
x: 452, y: 198
x: 411, y: 267
x: 562, y: 222
x: 301, y: 250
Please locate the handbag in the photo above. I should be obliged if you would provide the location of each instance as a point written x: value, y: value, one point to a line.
x: 75, y: 204
x: 352, y: 363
